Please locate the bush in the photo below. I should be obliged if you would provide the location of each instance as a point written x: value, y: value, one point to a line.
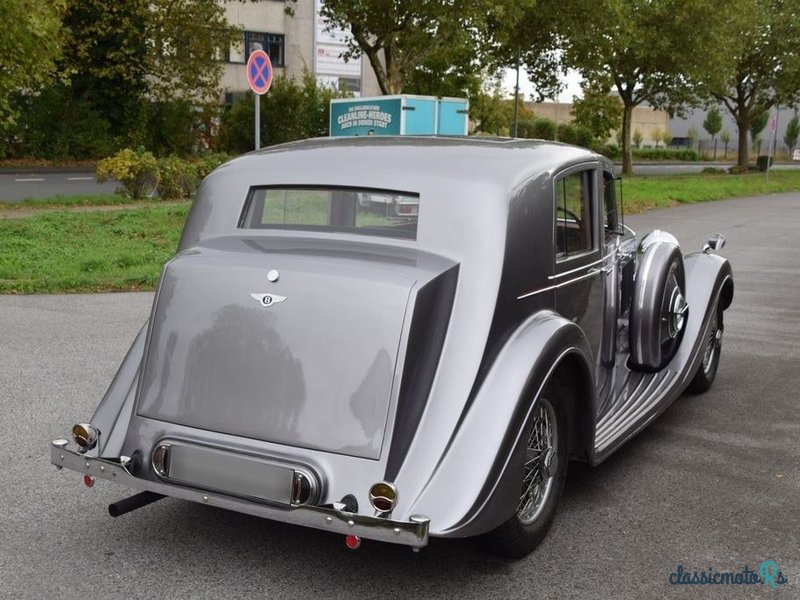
x: 665, y: 154
x: 763, y: 162
x: 544, y: 129
x: 566, y: 133
x: 141, y: 174
x: 610, y: 151
x: 207, y: 163
x: 55, y: 125
x: 137, y: 171
x: 177, y: 178
x: 174, y: 127
x: 291, y: 111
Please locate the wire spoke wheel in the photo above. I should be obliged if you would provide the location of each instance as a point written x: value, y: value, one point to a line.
x: 537, y: 480
x: 711, y: 344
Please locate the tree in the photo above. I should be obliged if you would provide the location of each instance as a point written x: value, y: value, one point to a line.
x: 763, y: 41
x: 401, y: 37
x: 637, y: 138
x: 446, y: 47
x: 792, y: 133
x: 634, y: 46
x: 725, y: 136
x: 492, y: 112
x: 757, y: 125
x: 121, y: 55
x: 666, y: 137
x: 713, y: 125
x: 598, y: 110
x: 657, y: 135
x: 29, y: 45
x: 691, y: 137
x: 186, y: 39
x: 105, y: 57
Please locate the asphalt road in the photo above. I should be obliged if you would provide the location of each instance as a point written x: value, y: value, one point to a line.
x: 714, y: 482
x: 44, y: 184
x: 15, y: 186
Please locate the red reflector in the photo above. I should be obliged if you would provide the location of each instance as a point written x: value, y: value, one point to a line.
x: 88, y: 480
x: 353, y: 542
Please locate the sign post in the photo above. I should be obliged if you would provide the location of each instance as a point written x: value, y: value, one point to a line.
x: 259, y: 76
x: 773, y: 132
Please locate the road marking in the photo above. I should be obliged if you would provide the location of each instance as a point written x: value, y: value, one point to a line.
x: 79, y: 178
x: 31, y: 179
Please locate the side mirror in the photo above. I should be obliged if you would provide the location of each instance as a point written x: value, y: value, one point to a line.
x: 716, y: 243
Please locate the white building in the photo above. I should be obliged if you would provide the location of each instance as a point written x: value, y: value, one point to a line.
x: 293, y: 44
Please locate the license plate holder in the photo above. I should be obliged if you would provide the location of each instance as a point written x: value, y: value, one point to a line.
x: 228, y: 472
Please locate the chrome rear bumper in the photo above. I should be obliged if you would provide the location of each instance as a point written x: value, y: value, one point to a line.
x: 413, y: 532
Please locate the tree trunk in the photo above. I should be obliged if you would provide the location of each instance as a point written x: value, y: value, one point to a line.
x: 715, y: 148
x: 743, y: 143
x: 627, y: 158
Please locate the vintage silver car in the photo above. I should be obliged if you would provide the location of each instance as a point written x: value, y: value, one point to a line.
x: 312, y: 361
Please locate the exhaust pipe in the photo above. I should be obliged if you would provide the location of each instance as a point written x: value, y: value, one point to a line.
x: 132, y: 503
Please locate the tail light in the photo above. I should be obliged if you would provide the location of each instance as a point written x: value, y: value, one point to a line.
x: 85, y: 436
x: 383, y: 497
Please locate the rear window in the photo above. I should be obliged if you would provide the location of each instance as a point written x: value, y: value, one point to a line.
x: 361, y: 211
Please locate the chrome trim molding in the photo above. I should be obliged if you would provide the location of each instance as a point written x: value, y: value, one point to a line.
x: 581, y: 268
x: 413, y: 532
x: 560, y: 285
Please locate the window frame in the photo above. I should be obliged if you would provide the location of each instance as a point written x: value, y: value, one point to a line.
x: 589, y: 171
x: 376, y: 232
x: 612, y: 227
x: 252, y: 37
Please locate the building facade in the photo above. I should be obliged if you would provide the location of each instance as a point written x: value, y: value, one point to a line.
x: 694, y: 119
x: 651, y: 123
x: 294, y: 43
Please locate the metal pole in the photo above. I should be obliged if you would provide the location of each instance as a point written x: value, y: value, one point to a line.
x: 774, y: 134
x: 516, y: 94
x: 258, y: 121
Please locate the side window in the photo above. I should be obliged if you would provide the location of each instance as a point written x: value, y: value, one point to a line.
x: 611, y: 217
x: 574, y: 214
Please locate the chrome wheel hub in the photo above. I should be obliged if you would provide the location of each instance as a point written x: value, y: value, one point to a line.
x: 540, y: 464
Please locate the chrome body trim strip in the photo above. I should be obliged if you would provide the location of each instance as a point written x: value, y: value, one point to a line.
x: 413, y: 532
x: 582, y: 267
x: 591, y: 273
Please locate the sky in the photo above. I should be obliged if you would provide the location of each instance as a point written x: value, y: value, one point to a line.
x: 571, y: 80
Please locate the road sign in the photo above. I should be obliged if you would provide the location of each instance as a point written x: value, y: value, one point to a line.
x: 259, y: 72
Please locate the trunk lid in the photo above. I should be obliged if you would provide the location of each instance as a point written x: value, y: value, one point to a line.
x: 308, y: 360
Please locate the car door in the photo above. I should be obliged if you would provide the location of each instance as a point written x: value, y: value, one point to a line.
x: 579, y: 270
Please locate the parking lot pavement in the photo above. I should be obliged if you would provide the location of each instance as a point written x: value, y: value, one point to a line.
x: 713, y: 483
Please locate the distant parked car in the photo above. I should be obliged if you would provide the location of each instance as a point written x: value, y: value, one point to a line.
x: 405, y: 375
x: 796, y: 154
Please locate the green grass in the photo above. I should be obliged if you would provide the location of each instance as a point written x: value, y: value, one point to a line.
x: 661, y: 191
x: 70, y: 201
x: 96, y: 250
x: 88, y: 251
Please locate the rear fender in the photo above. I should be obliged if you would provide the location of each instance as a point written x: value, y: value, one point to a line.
x: 113, y: 413
x: 468, y: 494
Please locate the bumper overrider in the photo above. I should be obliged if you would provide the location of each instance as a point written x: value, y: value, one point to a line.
x: 413, y: 533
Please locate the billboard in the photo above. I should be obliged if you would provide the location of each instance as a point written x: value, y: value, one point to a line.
x: 330, y: 43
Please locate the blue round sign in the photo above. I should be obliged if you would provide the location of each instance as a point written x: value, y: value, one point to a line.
x: 259, y: 72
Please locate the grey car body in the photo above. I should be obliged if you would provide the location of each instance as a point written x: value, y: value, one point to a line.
x: 335, y: 360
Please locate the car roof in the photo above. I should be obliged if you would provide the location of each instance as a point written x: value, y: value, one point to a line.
x: 505, y: 161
